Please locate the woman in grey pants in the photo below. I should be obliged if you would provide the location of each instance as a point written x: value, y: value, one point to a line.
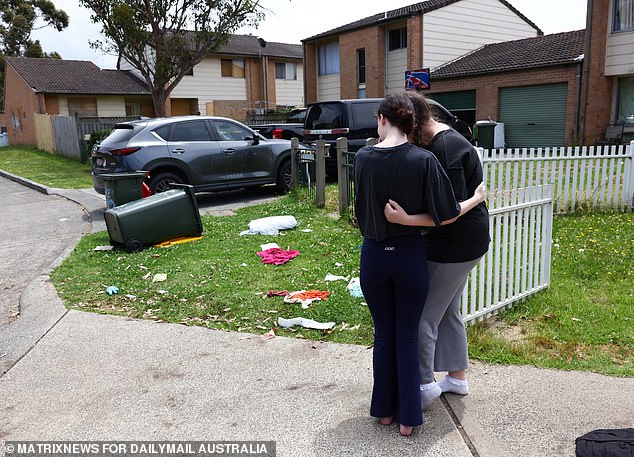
x: 452, y: 252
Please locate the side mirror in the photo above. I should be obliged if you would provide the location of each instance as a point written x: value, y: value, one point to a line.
x: 256, y: 139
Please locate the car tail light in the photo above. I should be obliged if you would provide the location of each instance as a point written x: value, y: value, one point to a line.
x: 123, y: 151
x: 277, y: 134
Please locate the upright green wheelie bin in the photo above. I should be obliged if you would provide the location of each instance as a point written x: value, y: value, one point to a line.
x: 154, y: 219
x: 123, y: 188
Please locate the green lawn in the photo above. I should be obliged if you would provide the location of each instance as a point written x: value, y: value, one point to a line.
x: 585, y: 321
x: 44, y: 168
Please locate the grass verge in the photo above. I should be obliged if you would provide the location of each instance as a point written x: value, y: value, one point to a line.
x: 583, y: 322
x: 44, y: 168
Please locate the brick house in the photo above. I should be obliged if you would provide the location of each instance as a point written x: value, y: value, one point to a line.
x: 608, y: 85
x: 565, y: 88
x: 530, y: 85
x: 369, y: 57
x: 67, y: 87
x: 245, y: 75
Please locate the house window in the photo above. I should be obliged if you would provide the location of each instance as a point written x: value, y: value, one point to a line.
x: 626, y: 100
x: 329, y: 59
x: 82, y: 107
x: 397, y: 39
x: 132, y: 109
x: 361, y: 65
x: 623, y: 15
x: 232, y: 68
x: 285, y: 70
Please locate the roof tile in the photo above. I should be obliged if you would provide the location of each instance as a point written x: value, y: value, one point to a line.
x: 59, y: 76
x: 541, y: 51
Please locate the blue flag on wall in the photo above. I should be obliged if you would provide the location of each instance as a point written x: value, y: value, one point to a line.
x: 417, y: 79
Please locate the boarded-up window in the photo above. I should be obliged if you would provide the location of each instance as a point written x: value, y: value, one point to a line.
x: 232, y: 68
x: 83, y: 107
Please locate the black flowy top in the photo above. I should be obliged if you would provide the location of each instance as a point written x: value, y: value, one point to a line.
x: 407, y: 174
x: 468, y: 238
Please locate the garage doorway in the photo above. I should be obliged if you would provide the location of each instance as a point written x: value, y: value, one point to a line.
x: 534, y: 116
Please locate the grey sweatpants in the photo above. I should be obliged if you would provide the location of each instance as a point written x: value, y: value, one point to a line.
x: 442, y: 339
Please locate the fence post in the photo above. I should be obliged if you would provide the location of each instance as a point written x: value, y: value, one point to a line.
x: 320, y: 174
x: 294, y: 169
x: 628, y: 178
x: 343, y: 175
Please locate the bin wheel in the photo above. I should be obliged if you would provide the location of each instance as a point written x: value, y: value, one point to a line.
x: 133, y: 245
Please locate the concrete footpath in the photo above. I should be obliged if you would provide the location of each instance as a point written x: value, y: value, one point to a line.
x: 71, y: 375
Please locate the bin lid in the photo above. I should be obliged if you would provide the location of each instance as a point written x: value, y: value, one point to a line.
x: 123, y: 175
x: 486, y: 122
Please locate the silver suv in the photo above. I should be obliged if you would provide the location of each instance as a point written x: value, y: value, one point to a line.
x: 210, y: 153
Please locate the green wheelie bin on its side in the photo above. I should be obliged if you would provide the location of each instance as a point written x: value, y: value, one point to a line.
x: 123, y: 188
x: 154, y: 219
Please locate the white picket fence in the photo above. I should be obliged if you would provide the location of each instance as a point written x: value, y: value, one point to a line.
x: 526, y: 187
x: 591, y: 177
x: 518, y: 261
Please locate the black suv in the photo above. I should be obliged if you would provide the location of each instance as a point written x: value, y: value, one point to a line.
x: 355, y: 120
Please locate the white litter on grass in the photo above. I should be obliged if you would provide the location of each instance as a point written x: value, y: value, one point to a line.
x: 354, y: 287
x: 159, y: 277
x: 269, y: 246
x: 303, y: 322
x: 307, y: 230
x: 331, y: 277
x: 270, y: 225
x: 103, y: 248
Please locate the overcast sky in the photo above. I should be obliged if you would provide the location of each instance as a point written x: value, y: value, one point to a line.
x: 290, y: 21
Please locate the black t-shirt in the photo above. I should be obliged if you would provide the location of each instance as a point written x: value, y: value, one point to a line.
x: 467, y: 238
x: 407, y: 174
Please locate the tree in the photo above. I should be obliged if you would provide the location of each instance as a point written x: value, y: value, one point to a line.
x: 17, y: 21
x: 165, y: 39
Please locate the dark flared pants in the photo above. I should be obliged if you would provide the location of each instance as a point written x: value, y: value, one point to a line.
x: 394, y: 282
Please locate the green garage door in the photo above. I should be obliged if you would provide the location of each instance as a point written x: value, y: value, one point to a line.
x: 534, y: 116
x: 461, y: 103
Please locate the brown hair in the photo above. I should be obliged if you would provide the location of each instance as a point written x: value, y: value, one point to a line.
x: 423, y: 114
x: 399, y: 111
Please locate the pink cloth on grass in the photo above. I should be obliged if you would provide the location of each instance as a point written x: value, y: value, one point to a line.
x: 277, y: 256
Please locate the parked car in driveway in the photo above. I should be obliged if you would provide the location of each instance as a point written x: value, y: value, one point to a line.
x: 292, y: 128
x: 210, y: 153
x: 355, y: 120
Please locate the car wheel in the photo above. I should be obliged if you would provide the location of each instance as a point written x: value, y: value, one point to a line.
x: 162, y: 181
x: 133, y: 245
x: 284, y: 177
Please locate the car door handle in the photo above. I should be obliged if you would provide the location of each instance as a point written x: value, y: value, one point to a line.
x: 178, y: 151
x: 229, y: 150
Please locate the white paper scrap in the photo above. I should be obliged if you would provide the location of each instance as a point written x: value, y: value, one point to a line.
x: 303, y: 322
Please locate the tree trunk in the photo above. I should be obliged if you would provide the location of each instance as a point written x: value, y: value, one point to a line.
x: 160, y: 97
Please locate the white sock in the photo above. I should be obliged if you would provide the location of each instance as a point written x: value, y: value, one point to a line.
x: 453, y: 385
x: 428, y: 393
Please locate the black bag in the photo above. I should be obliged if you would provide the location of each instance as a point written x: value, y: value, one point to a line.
x: 606, y: 443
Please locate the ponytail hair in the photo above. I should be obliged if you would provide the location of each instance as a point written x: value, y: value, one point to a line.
x: 399, y: 111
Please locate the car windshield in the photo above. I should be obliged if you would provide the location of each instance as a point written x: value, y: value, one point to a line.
x: 325, y: 116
